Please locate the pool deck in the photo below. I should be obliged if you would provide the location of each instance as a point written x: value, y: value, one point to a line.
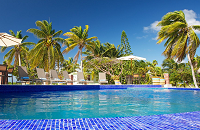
x: 188, y: 120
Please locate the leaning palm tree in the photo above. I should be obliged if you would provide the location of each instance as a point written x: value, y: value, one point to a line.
x: 18, y: 51
x: 47, y: 50
x: 78, y: 37
x: 181, y: 40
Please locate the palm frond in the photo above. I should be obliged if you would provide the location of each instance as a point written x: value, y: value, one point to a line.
x: 71, y: 47
x: 57, y: 34
x: 42, y: 26
x: 12, y: 33
x: 37, y: 33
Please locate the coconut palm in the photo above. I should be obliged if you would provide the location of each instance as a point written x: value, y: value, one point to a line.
x: 181, y: 40
x: 69, y: 65
x: 47, y: 50
x: 95, y: 50
x: 17, y: 50
x: 112, y: 51
x: 78, y: 38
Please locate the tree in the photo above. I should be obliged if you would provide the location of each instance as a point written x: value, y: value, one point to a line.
x: 47, y: 50
x: 95, y: 50
x: 112, y: 51
x: 69, y: 65
x: 78, y: 37
x: 17, y: 50
x: 125, y: 44
x: 110, y: 66
x: 181, y: 40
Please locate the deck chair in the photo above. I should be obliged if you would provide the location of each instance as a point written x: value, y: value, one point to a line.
x: 54, y: 77
x: 80, y: 78
x: 66, y: 77
x: 23, y: 75
x: 102, y: 78
x: 41, y: 75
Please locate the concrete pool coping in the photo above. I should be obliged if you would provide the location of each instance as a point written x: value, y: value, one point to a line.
x: 187, y: 120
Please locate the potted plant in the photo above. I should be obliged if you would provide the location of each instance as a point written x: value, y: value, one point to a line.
x: 116, y: 79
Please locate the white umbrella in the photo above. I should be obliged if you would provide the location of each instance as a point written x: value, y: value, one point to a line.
x: 8, y: 40
x: 131, y: 57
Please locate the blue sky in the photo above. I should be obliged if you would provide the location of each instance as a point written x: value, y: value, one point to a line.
x: 106, y: 19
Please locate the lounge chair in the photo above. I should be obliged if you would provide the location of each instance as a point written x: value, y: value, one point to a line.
x: 23, y: 75
x: 80, y: 78
x: 102, y: 78
x: 66, y: 77
x: 41, y: 75
x: 54, y: 77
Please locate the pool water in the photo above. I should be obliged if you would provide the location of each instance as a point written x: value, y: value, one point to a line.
x: 97, y: 103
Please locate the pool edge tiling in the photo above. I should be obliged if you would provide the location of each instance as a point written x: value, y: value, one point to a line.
x: 40, y: 88
x: 187, y: 120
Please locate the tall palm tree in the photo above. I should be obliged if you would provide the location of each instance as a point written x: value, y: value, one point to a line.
x: 78, y: 37
x: 17, y: 50
x: 181, y: 40
x: 47, y: 50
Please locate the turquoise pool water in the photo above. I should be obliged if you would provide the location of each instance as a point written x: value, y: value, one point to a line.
x: 97, y: 103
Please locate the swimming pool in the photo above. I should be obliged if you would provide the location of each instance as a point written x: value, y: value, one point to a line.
x: 97, y: 103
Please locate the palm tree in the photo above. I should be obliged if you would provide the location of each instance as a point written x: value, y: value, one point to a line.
x: 17, y: 50
x: 69, y: 65
x: 112, y: 51
x: 78, y: 37
x: 47, y: 50
x: 94, y: 50
x: 169, y: 65
x: 181, y: 40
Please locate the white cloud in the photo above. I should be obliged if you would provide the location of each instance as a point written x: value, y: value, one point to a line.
x: 142, y: 37
x: 153, y: 27
x: 190, y: 16
x: 155, y: 38
x: 183, y: 61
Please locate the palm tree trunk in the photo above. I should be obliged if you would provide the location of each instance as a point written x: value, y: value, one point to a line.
x: 49, y: 62
x: 193, y: 74
x: 19, y: 58
x: 81, y: 62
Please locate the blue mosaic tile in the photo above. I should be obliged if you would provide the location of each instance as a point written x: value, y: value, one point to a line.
x: 41, y: 88
x: 178, y: 121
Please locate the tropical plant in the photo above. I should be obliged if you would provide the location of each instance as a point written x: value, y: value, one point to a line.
x: 125, y: 44
x: 181, y: 40
x: 110, y: 66
x: 78, y: 37
x: 47, y: 50
x: 17, y: 50
x: 95, y: 50
x: 70, y: 65
x: 112, y: 51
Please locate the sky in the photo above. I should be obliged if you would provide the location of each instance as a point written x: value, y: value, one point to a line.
x: 106, y: 19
